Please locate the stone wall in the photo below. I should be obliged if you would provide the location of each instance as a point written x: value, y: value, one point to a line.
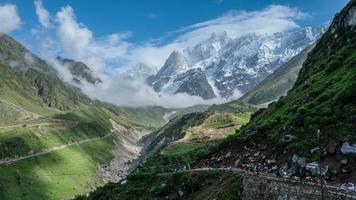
x: 255, y: 188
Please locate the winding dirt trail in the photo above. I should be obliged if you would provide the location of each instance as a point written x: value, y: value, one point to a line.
x: 55, y: 122
x: 26, y: 113
x: 52, y: 149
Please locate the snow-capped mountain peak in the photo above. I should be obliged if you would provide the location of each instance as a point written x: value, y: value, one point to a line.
x: 226, y: 65
x: 176, y: 62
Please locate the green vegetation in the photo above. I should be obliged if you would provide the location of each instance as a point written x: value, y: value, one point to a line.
x: 8, y: 114
x: 176, y: 149
x: 221, y: 120
x: 146, y: 117
x: 161, y: 176
x: 28, y: 140
x: 32, y: 101
x: 58, y: 175
x: 157, y: 177
x: 178, y: 126
x: 196, y: 185
x: 324, y: 96
x: 236, y: 106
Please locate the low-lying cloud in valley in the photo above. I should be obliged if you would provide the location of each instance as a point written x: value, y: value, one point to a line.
x: 110, y: 56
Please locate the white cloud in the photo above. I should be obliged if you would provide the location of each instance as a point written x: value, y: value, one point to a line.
x: 275, y: 18
x: 119, y: 90
x: 78, y: 42
x: 9, y: 18
x: 73, y: 37
x: 42, y: 14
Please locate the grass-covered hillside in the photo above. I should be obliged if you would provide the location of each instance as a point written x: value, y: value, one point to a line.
x: 324, y: 96
x: 236, y: 106
x: 279, y: 82
x: 178, y: 145
x: 53, y: 138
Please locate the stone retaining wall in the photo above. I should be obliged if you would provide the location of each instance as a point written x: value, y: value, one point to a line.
x: 258, y: 188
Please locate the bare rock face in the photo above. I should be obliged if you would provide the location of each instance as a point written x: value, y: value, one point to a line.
x: 79, y: 70
x: 351, y: 17
x: 127, y: 151
x: 195, y: 83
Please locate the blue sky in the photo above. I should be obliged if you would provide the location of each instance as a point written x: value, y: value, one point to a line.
x: 151, y: 19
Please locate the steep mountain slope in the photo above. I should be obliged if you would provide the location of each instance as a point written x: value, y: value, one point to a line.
x: 222, y: 66
x: 313, y: 126
x: 279, y: 82
x: 177, y: 145
x: 55, y: 142
x: 235, y: 106
x: 26, y: 74
x: 323, y: 96
x: 28, y: 83
x: 174, y: 147
x: 79, y: 70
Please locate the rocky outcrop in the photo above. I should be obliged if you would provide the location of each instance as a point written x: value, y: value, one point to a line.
x: 126, y: 154
x: 79, y: 70
x: 195, y: 83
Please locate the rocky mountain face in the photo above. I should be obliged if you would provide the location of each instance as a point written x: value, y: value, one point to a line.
x: 79, y: 70
x: 221, y: 66
x: 278, y: 83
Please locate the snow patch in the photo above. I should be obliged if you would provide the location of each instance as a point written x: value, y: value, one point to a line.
x: 351, y: 17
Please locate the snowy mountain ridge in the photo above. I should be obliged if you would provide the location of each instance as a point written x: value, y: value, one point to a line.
x: 221, y: 66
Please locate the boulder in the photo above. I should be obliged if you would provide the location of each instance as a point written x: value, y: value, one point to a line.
x: 274, y: 167
x: 348, y: 186
x: 228, y: 155
x: 347, y: 148
x: 344, y: 161
x: 271, y: 161
x: 315, y: 169
x: 237, y: 162
x: 288, y: 138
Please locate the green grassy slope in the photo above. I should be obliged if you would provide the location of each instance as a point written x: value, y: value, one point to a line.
x: 156, y: 178
x: 236, y: 106
x: 324, y: 96
x: 33, y: 79
x: 279, y: 82
x: 32, y: 97
x: 58, y: 175
x: 226, y: 120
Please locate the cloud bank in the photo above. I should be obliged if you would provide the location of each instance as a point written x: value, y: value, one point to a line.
x: 42, y: 14
x: 9, y: 18
x: 109, y: 56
